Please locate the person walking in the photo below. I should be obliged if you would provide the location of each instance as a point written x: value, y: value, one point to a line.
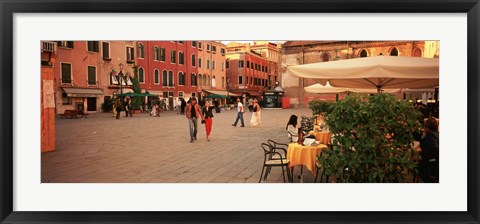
x: 239, y: 114
x: 208, y: 115
x: 118, y: 108
x: 192, y: 112
x: 256, y: 119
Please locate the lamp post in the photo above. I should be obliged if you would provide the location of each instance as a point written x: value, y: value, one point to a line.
x: 120, y: 79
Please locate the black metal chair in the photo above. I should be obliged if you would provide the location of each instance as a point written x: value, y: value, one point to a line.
x: 268, y: 162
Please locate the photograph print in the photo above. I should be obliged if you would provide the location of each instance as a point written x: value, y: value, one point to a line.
x: 250, y: 111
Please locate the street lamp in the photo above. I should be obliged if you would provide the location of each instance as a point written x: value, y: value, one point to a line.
x: 120, y: 79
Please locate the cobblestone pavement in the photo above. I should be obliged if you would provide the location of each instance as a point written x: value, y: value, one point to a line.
x: 143, y: 149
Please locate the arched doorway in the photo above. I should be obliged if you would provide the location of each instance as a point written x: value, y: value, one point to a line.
x: 394, y: 52
x: 325, y: 57
x: 363, y: 53
x: 417, y: 52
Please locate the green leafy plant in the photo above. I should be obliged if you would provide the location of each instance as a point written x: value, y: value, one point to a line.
x: 321, y: 107
x: 137, y: 101
x: 373, y: 138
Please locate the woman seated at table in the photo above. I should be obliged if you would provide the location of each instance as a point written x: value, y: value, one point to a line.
x: 292, y: 128
x: 429, y: 143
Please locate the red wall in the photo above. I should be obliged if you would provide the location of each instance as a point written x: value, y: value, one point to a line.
x: 149, y: 65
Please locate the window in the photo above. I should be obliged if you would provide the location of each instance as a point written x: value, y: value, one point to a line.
x: 141, y: 75
x: 181, y: 58
x: 164, y: 78
x: 156, y: 54
x: 213, y: 82
x: 199, y: 45
x: 65, y: 44
x: 141, y: 50
x: 180, y: 42
x: 92, y: 75
x: 227, y: 64
x: 223, y: 66
x: 194, y: 60
x: 66, y: 73
x: 246, y: 81
x: 363, y: 53
x: 173, y: 56
x: 199, y: 62
x: 170, y: 78
x: 240, y: 80
x: 180, y: 94
x: 92, y: 46
x: 214, y: 49
x: 162, y: 54
x: 208, y: 47
x: 105, y: 50
x: 181, y: 79
x: 130, y: 55
x: 199, y: 80
x: 248, y: 64
x: 213, y: 65
x: 208, y: 64
x: 194, y: 43
x: 223, y: 81
x: 193, y: 80
x: 263, y: 68
x: 240, y: 64
x: 394, y: 52
x: 222, y: 50
x: 156, y: 77
x: 204, y: 80
x: 65, y: 99
x: 209, y: 81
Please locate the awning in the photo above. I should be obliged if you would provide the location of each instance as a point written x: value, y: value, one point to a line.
x: 220, y: 92
x: 82, y: 92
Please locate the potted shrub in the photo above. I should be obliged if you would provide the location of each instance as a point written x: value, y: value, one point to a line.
x: 373, y: 139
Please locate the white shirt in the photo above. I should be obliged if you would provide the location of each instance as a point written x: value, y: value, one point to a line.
x: 240, y: 107
x: 292, y: 132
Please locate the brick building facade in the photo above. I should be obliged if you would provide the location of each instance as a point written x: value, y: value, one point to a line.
x: 306, y: 52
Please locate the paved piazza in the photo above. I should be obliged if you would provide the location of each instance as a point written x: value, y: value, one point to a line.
x: 145, y: 149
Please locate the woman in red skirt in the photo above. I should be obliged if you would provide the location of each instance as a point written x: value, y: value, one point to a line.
x: 208, y: 114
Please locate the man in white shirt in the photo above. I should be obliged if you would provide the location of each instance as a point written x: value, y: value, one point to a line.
x: 239, y: 114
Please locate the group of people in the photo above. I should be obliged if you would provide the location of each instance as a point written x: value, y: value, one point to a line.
x: 125, y: 106
x: 193, y: 111
x: 256, y: 119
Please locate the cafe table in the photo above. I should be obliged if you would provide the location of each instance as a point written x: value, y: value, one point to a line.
x: 302, y: 155
x: 325, y: 137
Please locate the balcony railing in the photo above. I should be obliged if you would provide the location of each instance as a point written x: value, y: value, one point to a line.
x: 49, y: 46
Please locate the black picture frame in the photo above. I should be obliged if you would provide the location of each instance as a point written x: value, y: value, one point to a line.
x: 9, y: 7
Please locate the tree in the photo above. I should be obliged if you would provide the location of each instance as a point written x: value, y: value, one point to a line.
x: 373, y: 139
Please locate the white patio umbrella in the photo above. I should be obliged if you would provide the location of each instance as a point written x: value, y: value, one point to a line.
x: 318, y: 88
x: 380, y: 72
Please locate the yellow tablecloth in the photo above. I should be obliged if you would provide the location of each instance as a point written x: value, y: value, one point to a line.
x: 304, y: 155
x: 324, y: 137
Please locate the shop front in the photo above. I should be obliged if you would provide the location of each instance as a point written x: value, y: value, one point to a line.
x: 83, y: 99
x: 273, y: 99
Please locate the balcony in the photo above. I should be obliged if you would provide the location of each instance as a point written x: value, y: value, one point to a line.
x: 49, y: 46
